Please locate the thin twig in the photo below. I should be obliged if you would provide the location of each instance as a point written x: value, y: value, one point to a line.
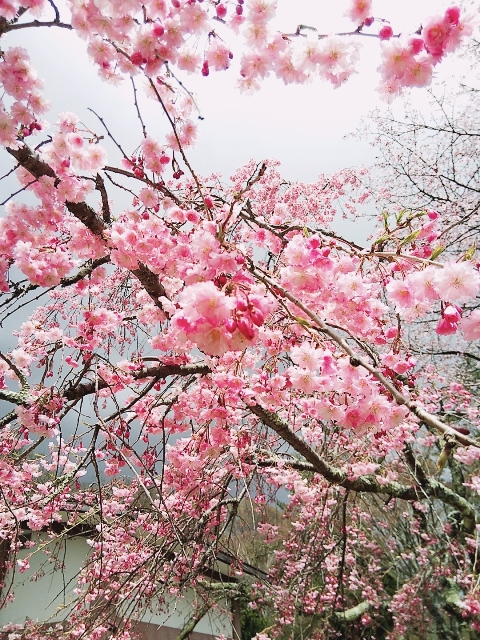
x: 137, y: 107
x: 109, y: 134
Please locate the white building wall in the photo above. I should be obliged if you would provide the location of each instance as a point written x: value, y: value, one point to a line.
x: 40, y: 599
x: 42, y: 590
x: 216, y: 622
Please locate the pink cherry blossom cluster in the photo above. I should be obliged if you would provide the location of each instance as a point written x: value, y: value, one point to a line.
x: 227, y: 319
x: 125, y: 41
x: 217, y: 322
x: 18, y: 118
x: 410, y: 61
x: 415, y: 294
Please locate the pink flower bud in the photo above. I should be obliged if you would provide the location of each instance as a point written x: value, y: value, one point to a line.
x: 138, y: 172
x: 368, y: 21
x: 391, y: 332
x: 241, y: 305
x: 386, y: 32
x: 433, y: 215
x: 158, y: 30
x: 452, y: 314
x: 192, y: 216
x: 415, y: 45
x: 221, y: 10
x: 445, y: 328
x: 136, y: 58
x: 239, y: 9
x: 239, y: 259
x: 164, y: 159
x: 208, y: 202
x: 245, y: 328
x: 452, y: 15
x: 257, y: 317
x: 231, y: 325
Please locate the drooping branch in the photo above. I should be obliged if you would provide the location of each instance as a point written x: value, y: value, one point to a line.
x: 428, y: 487
x: 363, y: 484
x: 401, y: 399
x: 84, y: 212
x: 158, y: 373
x: 86, y: 270
x: 436, y: 489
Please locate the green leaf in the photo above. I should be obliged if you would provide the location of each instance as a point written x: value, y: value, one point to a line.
x: 302, y: 321
x: 381, y: 239
x: 436, y: 252
x: 470, y: 253
x: 410, y: 238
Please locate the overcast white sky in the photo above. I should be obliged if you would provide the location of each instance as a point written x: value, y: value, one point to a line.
x: 302, y: 126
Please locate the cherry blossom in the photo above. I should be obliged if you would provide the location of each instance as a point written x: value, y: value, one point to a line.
x: 215, y: 342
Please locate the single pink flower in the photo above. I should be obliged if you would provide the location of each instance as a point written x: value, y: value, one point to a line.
x: 400, y: 292
x: 471, y: 326
x: 457, y: 281
x: 435, y: 34
x: 446, y: 328
x: 359, y: 10
x: 386, y: 32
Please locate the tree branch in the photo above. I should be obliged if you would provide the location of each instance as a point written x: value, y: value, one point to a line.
x: 401, y: 399
x: 370, y: 484
x: 159, y: 372
x: 83, y: 212
x: 363, y: 484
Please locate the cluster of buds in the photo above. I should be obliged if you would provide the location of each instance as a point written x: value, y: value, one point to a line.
x: 33, y: 126
x: 244, y: 317
x: 448, y: 323
x: 122, y: 431
x: 42, y: 416
x: 136, y: 165
x: 138, y: 59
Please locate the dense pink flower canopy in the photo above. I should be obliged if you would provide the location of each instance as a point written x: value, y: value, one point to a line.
x: 199, y: 343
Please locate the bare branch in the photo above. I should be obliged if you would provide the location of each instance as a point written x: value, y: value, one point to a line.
x: 159, y: 372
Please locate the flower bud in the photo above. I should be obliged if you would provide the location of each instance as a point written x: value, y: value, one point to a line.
x: 257, y: 317
x: 241, y: 305
x: 245, y: 328
x: 386, y: 32
x: 452, y: 314
x: 231, y: 325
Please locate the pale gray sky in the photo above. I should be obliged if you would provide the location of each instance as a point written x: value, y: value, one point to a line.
x: 302, y: 126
